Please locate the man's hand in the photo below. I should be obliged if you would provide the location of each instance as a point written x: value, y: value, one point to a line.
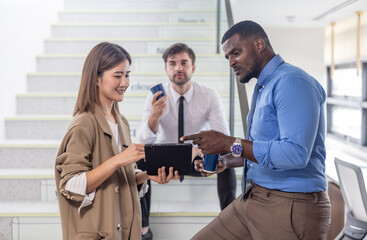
x: 158, y: 107
x: 211, y: 142
x: 199, y: 168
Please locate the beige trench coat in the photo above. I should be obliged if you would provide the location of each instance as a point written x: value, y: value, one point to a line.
x: 115, y: 212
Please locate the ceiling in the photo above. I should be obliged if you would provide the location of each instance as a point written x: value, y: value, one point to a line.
x: 296, y: 13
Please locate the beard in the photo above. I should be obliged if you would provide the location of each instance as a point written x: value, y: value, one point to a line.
x: 180, y: 82
x: 253, y: 72
x: 245, y: 79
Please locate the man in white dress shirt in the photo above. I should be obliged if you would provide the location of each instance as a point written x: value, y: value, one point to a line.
x: 202, y: 111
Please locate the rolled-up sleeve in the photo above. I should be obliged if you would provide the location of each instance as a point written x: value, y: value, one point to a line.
x: 74, y: 159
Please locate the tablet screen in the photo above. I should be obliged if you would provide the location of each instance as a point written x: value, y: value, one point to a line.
x: 176, y: 155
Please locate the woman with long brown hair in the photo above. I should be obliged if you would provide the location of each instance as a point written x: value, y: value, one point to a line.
x: 96, y: 175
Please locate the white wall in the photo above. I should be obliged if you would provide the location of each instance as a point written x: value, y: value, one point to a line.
x: 303, y: 48
x: 24, y: 24
x: 345, y: 40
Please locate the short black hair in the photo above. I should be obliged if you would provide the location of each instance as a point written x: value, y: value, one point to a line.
x: 246, y: 29
x: 178, y: 48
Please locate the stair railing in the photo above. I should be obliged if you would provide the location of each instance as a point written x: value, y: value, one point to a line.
x: 240, y: 87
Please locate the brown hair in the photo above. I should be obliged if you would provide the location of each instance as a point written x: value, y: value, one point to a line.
x: 101, y: 58
x: 178, y: 48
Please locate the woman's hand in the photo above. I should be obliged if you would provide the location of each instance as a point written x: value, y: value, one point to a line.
x: 162, y: 178
x: 196, y: 152
x: 132, y: 154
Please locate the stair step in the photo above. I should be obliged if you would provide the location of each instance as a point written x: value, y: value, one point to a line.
x: 39, y: 185
x: 27, y: 185
x: 41, y: 221
x: 141, y: 4
x: 29, y: 209
x: 44, y: 82
x: 116, y: 30
x: 132, y: 45
x: 182, y: 226
x: 34, y: 154
x: 64, y: 103
x: 28, y: 154
x: 38, y: 127
x: 140, y: 63
x: 193, y: 208
x: 139, y: 15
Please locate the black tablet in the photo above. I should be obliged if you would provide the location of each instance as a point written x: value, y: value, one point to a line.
x: 176, y: 155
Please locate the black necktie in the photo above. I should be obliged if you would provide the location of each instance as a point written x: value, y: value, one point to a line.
x: 249, y: 122
x: 181, y: 119
x: 181, y: 124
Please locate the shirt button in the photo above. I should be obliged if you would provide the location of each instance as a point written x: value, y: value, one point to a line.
x: 250, y: 164
x: 118, y: 227
x: 117, y: 189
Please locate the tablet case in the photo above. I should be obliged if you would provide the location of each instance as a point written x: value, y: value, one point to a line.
x: 176, y: 155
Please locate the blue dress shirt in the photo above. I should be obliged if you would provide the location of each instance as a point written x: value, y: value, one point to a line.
x: 288, y: 130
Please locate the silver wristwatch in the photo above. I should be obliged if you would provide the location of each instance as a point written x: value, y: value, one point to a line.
x: 237, y: 148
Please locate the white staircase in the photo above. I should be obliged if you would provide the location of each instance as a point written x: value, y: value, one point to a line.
x: 28, y: 203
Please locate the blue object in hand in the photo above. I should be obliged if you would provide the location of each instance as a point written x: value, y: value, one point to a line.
x: 210, y: 163
x: 156, y: 88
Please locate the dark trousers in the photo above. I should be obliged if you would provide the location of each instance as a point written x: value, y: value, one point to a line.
x: 145, y: 201
x: 226, y: 187
x: 271, y: 214
x: 145, y: 206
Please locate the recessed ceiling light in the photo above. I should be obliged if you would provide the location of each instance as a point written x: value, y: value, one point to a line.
x: 290, y: 19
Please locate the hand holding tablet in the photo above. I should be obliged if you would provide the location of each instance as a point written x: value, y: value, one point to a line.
x: 176, y: 155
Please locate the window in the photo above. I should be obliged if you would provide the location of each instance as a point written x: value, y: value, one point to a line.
x: 347, y: 103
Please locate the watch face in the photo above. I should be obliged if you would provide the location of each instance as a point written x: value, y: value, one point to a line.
x: 236, y: 149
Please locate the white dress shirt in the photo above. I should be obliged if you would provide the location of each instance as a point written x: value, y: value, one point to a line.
x: 202, y: 111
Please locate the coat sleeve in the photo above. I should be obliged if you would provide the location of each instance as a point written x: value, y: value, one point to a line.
x: 74, y: 158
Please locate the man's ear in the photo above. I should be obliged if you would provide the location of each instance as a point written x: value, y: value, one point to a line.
x: 259, y: 45
x: 193, y: 68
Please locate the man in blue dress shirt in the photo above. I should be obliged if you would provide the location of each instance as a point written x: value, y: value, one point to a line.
x: 284, y: 150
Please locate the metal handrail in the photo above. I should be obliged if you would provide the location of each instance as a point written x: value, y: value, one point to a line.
x: 240, y: 87
x: 218, y: 27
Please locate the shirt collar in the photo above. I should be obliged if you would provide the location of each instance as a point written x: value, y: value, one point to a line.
x: 188, y: 95
x: 268, y: 70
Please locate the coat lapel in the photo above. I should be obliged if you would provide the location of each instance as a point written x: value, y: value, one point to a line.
x: 107, y: 130
x: 124, y: 132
